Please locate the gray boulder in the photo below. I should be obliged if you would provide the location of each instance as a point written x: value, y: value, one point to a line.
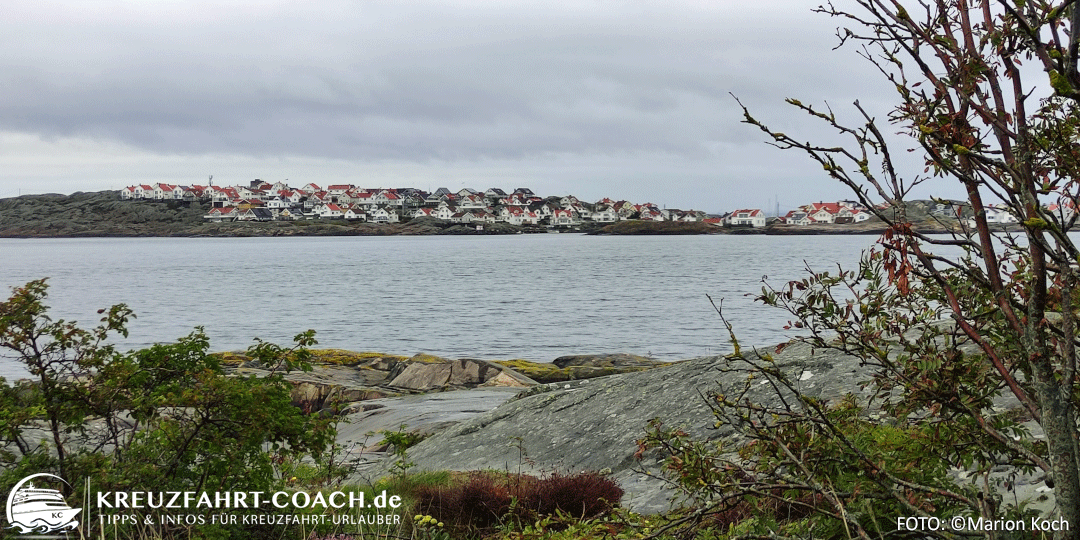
x: 328, y: 386
x: 617, y: 360
x: 454, y: 374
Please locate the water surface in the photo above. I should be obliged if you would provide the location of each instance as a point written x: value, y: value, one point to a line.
x: 494, y: 297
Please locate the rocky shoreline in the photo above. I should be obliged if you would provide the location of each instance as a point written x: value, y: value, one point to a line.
x: 502, y: 419
x: 481, y: 415
x: 588, y: 416
x: 341, y: 378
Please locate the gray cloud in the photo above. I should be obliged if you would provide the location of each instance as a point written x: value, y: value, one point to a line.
x: 586, y: 97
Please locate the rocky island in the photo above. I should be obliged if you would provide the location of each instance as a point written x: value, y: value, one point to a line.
x: 107, y: 214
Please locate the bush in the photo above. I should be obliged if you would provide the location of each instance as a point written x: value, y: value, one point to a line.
x: 166, y: 418
x: 584, y: 495
x: 479, y: 503
x: 485, y: 500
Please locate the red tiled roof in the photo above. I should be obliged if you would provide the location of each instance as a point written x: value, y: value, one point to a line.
x: 753, y: 213
x: 831, y: 208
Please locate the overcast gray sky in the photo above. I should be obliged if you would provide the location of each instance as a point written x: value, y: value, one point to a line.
x: 628, y: 100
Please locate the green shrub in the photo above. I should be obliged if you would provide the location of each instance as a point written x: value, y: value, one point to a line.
x: 164, y: 418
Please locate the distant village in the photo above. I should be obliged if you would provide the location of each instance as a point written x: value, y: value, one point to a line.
x: 265, y: 201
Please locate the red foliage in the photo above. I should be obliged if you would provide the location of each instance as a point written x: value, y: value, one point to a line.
x: 485, y: 499
x: 480, y: 502
x: 583, y: 495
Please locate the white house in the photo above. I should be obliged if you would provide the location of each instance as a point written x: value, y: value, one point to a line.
x: 996, y: 214
x: 649, y: 214
x: 173, y: 192
x: 277, y: 203
x: 822, y: 212
x: 247, y: 193
x: 606, y: 215
x: 471, y: 202
x: 516, y: 215
x: 277, y: 186
x: 316, y: 199
x: 446, y: 211
x: 383, y: 215
x: 544, y: 210
x: 797, y: 217
x: 163, y: 191
x: 625, y: 209
x: 329, y: 211
x: 441, y: 195
x: 517, y: 199
x: 291, y: 195
x: 147, y: 191
x: 752, y: 217
x: 564, y: 217
x: 482, y: 216
x: 217, y: 215
x: 856, y: 215
x: 1003, y: 215
x: 675, y: 214
x: 387, y: 197
x: 220, y: 195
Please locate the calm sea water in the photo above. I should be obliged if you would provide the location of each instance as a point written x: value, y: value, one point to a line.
x: 536, y: 297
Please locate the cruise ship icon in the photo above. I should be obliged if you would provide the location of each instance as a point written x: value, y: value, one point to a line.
x: 39, y: 510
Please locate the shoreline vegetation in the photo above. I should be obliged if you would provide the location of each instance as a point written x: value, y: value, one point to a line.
x: 103, y: 214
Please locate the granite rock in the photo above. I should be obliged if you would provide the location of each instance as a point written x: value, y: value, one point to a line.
x: 619, y: 360
x: 595, y: 424
x: 453, y: 374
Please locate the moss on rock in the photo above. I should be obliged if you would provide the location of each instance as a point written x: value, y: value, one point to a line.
x: 428, y: 359
x: 231, y: 358
x: 344, y: 357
